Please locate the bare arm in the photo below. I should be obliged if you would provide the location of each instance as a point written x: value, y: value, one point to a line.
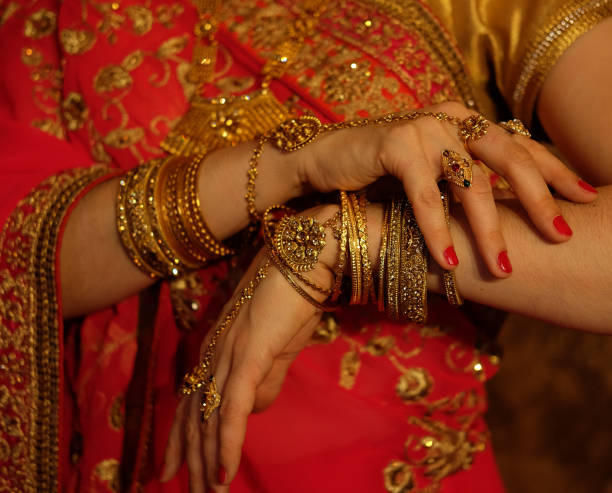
x: 575, y: 105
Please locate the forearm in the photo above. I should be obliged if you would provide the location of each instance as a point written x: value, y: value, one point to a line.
x: 95, y: 269
x: 567, y: 284
x: 575, y: 106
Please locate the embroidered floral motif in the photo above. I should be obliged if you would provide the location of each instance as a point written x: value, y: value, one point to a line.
x: 107, y: 472
x: 141, y: 17
x: 414, y: 384
x: 74, y: 111
x: 398, y: 477
x: 77, y: 41
x: 40, y: 24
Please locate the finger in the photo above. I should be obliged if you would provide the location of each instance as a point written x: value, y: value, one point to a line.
x: 557, y: 174
x: 510, y: 159
x: 423, y: 193
x: 234, y: 412
x: 193, y: 452
x: 173, y: 456
x: 210, y: 429
x: 479, y: 206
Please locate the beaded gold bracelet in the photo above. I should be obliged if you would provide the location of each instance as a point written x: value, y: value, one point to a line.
x: 449, y: 279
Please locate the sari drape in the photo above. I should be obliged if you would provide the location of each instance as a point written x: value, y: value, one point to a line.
x: 89, y: 89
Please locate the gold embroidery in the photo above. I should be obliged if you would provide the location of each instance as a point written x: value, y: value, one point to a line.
x: 40, y: 24
x: 8, y: 12
x: 165, y: 14
x: 116, y: 416
x: 77, y: 41
x: 107, y: 472
x: 398, y: 477
x: 74, y: 111
x: 141, y: 17
x: 349, y: 368
x: 557, y: 34
x: 122, y: 138
x: 29, y: 239
x: 184, y: 294
x: 328, y: 330
x: 49, y: 126
x: 414, y: 384
x: 446, y: 451
x: 380, y: 345
x: 112, y: 77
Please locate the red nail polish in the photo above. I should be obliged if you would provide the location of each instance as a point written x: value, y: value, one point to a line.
x: 451, y: 256
x: 504, y: 262
x: 561, y: 226
x: 587, y: 187
x: 221, y: 475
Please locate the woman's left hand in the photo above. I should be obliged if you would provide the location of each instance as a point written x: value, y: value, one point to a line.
x: 251, y: 361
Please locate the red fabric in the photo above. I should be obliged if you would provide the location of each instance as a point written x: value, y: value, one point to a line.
x: 318, y: 435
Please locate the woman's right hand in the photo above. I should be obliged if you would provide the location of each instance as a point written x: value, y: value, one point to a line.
x: 354, y: 158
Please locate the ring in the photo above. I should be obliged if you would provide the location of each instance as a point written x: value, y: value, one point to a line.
x: 473, y: 128
x: 211, y: 399
x: 515, y: 126
x: 457, y: 169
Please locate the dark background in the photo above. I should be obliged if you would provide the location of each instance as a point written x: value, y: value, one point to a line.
x: 551, y: 409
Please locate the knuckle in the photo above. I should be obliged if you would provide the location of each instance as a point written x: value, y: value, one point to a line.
x: 428, y: 198
x: 230, y: 410
x: 519, y: 158
x: 481, y: 188
x: 192, y: 431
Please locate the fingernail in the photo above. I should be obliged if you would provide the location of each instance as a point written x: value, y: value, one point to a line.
x: 504, y: 262
x: 451, y: 256
x: 561, y: 226
x: 221, y: 475
x: 587, y: 187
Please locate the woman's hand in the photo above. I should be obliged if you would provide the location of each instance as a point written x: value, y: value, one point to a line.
x: 354, y: 158
x: 251, y: 361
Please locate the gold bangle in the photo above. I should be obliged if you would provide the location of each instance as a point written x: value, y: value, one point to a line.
x: 133, y: 223
x: 342, y: 247
x: 413, y: 268
x: 287, y: 274
x: 354, y: 255
x: 251, y: 176
x: 393, y: 257
x: 190, y: 208
x: 359, y: 207
x: 449, y: 279
x: 384, y: 237
x: 165, y: 194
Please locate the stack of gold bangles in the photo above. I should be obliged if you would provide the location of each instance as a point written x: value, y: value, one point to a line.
x: 162, y: 229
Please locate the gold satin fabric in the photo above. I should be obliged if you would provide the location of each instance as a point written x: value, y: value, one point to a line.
x: 503, y: 38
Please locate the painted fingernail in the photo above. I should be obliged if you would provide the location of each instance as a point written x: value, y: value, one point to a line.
x: 451, y: 256
x: 561, y: 226
x: 587, y: 187
x: 504, y: 262
x: 221, y: 475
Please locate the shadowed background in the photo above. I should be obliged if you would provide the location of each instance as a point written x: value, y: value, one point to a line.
x: 551, y: 409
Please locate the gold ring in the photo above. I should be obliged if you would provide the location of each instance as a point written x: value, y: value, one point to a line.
x: 515, y: 126
x: 473, y: 128
x: 457, y: 168
x: 211, y: 399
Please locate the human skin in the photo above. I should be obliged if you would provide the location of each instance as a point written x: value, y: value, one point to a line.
x: 565, y: 283
x: 96, y: 272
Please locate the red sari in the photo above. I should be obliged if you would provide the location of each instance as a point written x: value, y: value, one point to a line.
x: 90, y: 90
